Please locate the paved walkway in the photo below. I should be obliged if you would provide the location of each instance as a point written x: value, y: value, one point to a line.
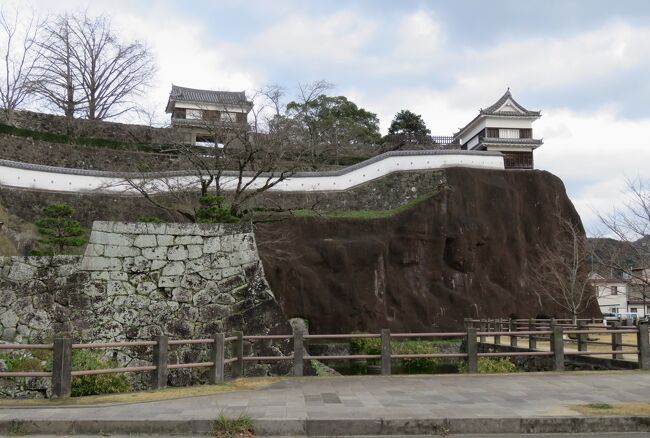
x: 509, y: 396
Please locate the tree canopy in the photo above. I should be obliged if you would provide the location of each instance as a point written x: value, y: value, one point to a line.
x: 335, y: 120
x: 59, y: 232
x: 409, y: 126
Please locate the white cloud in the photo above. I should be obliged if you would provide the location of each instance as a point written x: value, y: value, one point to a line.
x: 420, y: 35
x: 333, y: 38
x: 593, y: 153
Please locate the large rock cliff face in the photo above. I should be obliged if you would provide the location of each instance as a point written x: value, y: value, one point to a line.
x: 459, y: 254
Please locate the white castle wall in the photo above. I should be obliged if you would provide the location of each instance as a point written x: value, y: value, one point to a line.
x: 23, y: 175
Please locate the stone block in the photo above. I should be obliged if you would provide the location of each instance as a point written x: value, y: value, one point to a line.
x: 225, y: 299
x: 157, y: 253
x: 229, y: 272
x: 165, y: 240
x: 130, y: 227
x: 210, y: 274
x: 212, y: 245
x: 102, y: 226
x: 146, y: 287
x: 180, y: 229
x: 240, y: 258
x: 156, y: 228
x: 220, y: 261
x: 227, y: 243
x: 101, y: 264
x: 119, y: 288
x: 194, y: 251
x: 110, y: 238
x: 117, y: 275
x: 158, y: 264
x: 182, y: 295
x: 120, y: 251
x: 174, y: 281
x: 208, y: 229
x: 145, y: 241
x: 192, y: 281
x: 9, y: 319
x: 22, y: 272
x: 188, y: 240
x: 177, y: 253
x: 137, y: 264
x: 100, y: 275
x: 94, y: 250
x: 173, y: 269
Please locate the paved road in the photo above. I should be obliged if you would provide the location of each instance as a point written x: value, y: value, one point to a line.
x: 365, y: 401
x: 440, y: 396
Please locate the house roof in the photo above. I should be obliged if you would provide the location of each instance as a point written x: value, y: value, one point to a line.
x: 213, y: 97
x: 506, y: 106
x: 499, y: 107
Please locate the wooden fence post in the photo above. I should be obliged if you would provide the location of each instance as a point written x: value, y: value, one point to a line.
x: 468, y: 323
x: 62, y: 368
x: 385, y: 352
x: 160, y: 358
x: 513, y: 329
x: 483, y: 326
x: 532, y: 340
x: 237, y: 367
x: 298, y: 353
x: 497, y: 328
x: 557, y: 347
x: 643, y: 347
x: 472, y: 351
x: 216, y: 357
x: 582, y: 337
x: 617, y: 340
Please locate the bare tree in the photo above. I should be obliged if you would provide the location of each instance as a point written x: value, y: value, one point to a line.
x: 240, y: 167
x: 629, y: 254
x: 560, y: 272
x: 18, y: 34
x: 57, y: 80
x: 110, y: 73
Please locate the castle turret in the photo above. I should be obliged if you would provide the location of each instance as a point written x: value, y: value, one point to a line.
x: 506, y: 127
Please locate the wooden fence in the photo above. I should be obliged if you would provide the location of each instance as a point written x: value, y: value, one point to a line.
x: 553, y: 331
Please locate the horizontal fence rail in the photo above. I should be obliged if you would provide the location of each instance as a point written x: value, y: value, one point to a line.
x: 555, y: 334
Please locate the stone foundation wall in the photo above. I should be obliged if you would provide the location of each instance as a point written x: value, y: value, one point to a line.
x: 125, y: 132
x: 138, y: 280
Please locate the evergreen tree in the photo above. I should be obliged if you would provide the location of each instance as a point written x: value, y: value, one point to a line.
x: 60, y: 234
x: 212, y: 211
x: 409, y: 126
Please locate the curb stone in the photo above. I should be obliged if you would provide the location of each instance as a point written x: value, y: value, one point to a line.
x: 343, y: 427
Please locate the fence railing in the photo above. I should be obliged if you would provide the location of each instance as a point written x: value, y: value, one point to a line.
x: 62, y: 372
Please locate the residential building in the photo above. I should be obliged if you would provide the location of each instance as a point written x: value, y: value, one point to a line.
x: 615, y: 295
x: 506, y: 127
x: 204, y: 115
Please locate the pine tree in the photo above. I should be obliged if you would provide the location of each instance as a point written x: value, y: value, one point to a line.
x: 212, y: 211
x: 60, y: 234
x: 409, y: 126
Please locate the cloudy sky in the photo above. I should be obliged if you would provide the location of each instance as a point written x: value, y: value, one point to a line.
x: 584, y: 64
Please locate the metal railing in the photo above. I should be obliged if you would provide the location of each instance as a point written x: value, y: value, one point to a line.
x: 552, y: 330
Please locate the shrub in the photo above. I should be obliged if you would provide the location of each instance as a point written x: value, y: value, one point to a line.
x: 98, y: 384
x: 22, y: 362
x: 230, y: 427
x: 59, y: 232
x: 410, y: 366
x: 492, y: 365
x: 212, y: 211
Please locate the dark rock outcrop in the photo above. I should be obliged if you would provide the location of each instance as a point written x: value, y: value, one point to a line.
x: 459, y: 254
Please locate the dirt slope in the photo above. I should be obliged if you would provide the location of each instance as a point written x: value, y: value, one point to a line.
x: 456, y: 255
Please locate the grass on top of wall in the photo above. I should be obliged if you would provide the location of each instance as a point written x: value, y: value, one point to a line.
x: 364, y: 214
x: 81, y: 141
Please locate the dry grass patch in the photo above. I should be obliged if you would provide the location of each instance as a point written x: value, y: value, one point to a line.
x: 599, y: 409
x: 248, y: 383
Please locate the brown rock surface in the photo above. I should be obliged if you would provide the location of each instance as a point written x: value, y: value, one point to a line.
x: 459, y: 254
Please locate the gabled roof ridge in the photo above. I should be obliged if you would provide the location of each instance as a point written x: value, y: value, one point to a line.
x: 502, y: 100
x: 203, y: 90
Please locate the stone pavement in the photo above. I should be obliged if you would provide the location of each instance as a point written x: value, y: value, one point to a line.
x: 532, y: 402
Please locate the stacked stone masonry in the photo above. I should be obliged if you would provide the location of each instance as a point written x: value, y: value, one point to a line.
x: 138, y: 280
